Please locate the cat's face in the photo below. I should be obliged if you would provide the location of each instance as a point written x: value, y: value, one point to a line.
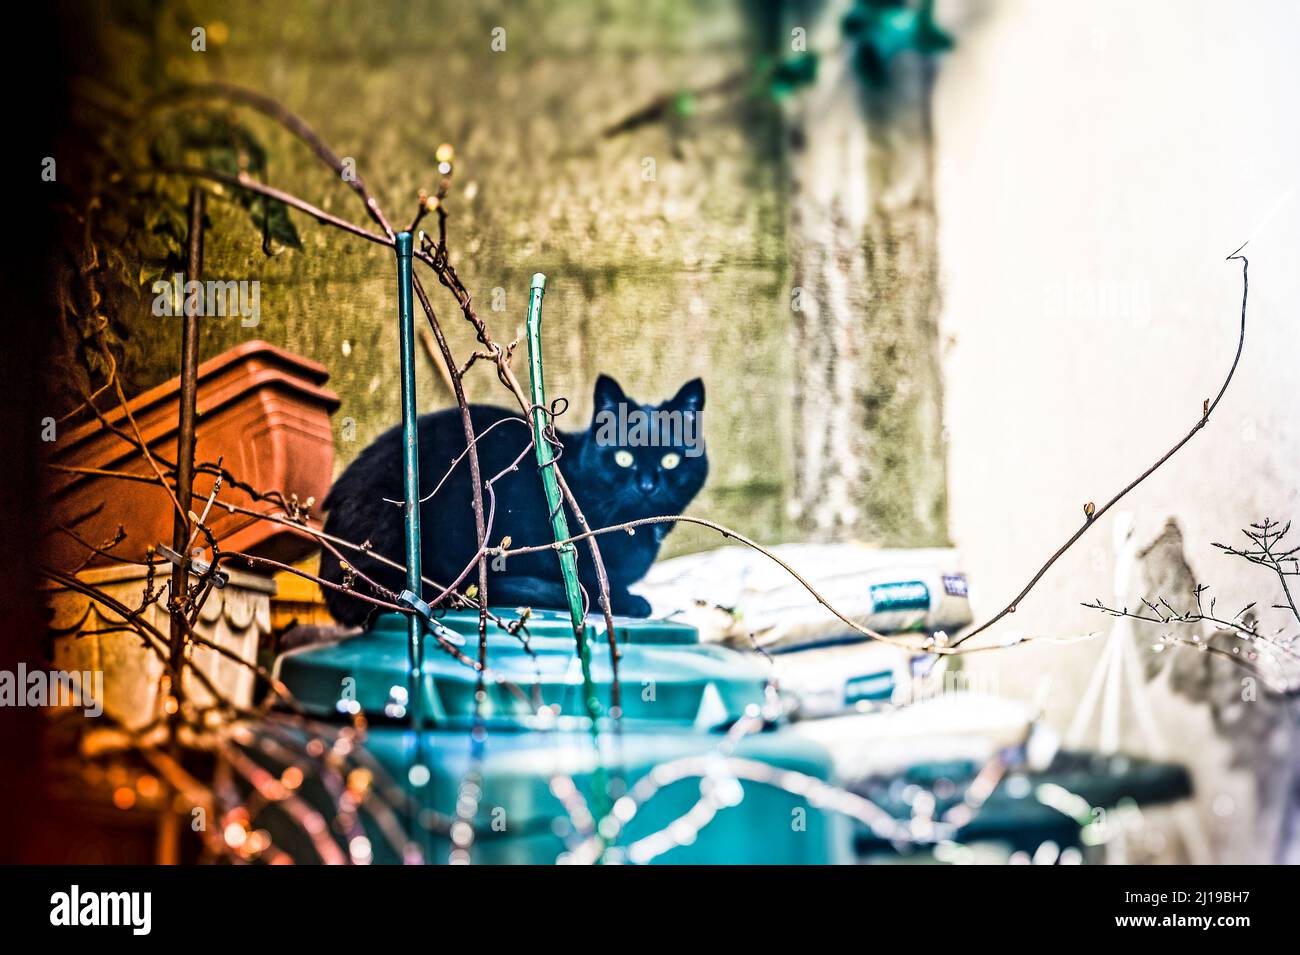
x: 644, y: 459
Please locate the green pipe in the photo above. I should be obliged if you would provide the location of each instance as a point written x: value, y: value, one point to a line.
x: 410, y: 465
x: 560, y: 525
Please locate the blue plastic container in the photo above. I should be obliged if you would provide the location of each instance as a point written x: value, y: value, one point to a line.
x: 678, y: 698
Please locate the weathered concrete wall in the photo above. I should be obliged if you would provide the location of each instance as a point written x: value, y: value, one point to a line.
x: 653, y: 277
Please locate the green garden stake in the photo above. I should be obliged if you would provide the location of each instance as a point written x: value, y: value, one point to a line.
x: 559, y: 523
x: 410, y: 467
x: 412, y: 596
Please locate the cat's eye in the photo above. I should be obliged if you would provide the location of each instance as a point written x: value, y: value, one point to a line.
x: 670, y: 460
x: 623, y: 459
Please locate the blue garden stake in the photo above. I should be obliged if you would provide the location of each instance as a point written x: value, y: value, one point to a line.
x: 410, y: 468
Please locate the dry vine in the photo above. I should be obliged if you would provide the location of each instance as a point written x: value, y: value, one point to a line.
x: 1250, y: 648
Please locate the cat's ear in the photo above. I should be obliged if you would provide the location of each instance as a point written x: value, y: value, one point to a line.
x: 690, y: 397
x: 608, y: 395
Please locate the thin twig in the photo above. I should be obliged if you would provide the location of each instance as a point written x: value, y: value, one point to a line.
x: 1206, y: 411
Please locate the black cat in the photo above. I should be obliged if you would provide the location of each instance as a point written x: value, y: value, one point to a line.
x: 634, y: 461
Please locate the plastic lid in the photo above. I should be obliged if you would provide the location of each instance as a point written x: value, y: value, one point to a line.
x: 555, y: 623
x: 665, y: 676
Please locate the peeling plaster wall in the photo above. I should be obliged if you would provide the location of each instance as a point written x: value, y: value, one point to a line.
x: 1096, y: 163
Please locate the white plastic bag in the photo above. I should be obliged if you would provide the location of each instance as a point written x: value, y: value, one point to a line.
x: 737, y: 596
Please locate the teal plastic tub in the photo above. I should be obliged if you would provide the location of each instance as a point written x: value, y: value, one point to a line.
x: 533, y: 739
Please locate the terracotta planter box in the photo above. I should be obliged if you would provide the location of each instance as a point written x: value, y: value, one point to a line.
x: 261, y: 409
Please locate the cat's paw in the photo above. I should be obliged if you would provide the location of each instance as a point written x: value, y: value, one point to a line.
x: 631, y: 605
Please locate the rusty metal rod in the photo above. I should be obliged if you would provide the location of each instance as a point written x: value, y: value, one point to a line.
x: 181, y: 529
